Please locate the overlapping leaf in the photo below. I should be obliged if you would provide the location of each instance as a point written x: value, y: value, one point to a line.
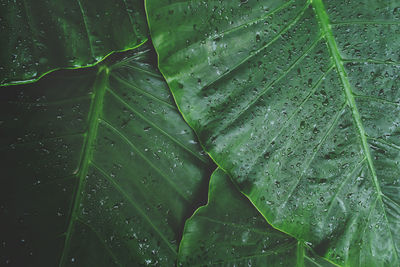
x: 229, y: 231
x: 40, y: 36
x: 98, y: 168
x: 299, y: 102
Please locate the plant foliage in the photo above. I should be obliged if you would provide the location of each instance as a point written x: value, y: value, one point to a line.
x: 296, y: 101
x: 40, y: 36
x: 100, y: 169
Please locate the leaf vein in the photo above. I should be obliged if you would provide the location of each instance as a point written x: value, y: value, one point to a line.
x: 96, y: 107
x: 313, y: 89
x: 377, y: 99
x: 265, y: 90
x: 156, y: 127
x: 232, y: 224
x: 141, y: 212
x: 325, y: 26
x: 101, y: 241
x: 84, y: 18
x: 343, y: 183
x: 253, y: 54
x: 371, y: 61
x: 139, y: 90
x: 379, y: 140
x: 376, y: 22
x: 123, y: 137
x: 307, y: 165
x: 391, y: 200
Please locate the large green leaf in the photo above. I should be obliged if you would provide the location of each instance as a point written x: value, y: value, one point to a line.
x: 39, y: 36
x: 300, y: 104
x: 98, y: 168
x: 229, y: 231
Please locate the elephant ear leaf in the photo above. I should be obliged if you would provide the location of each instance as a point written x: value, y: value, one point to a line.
x: 98, y: 168
x: 229, y: 231
x: 40, y: 36
x: 299, y: 102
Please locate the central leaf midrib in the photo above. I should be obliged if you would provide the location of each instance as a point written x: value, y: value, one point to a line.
x: 300, y: 254
x: 334, y: 51
x: 323, y: 20
x: 87, y: 153
x: 100, y: 89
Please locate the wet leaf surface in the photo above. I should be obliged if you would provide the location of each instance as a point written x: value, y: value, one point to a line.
x: 98, y: 168
x: 229, y: 231
x: 299, y: 102
x: 40, y: 36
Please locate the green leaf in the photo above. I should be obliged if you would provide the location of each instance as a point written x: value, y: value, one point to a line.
x: 300, y: 104
x: 98, y: 168
x: 40, y: 36
x: 229, y: 231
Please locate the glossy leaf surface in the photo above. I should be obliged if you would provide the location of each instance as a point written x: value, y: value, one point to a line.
x: 229, y: 231
x: 40, y: 36
x: 98, y: 168
x: 299, y: 101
